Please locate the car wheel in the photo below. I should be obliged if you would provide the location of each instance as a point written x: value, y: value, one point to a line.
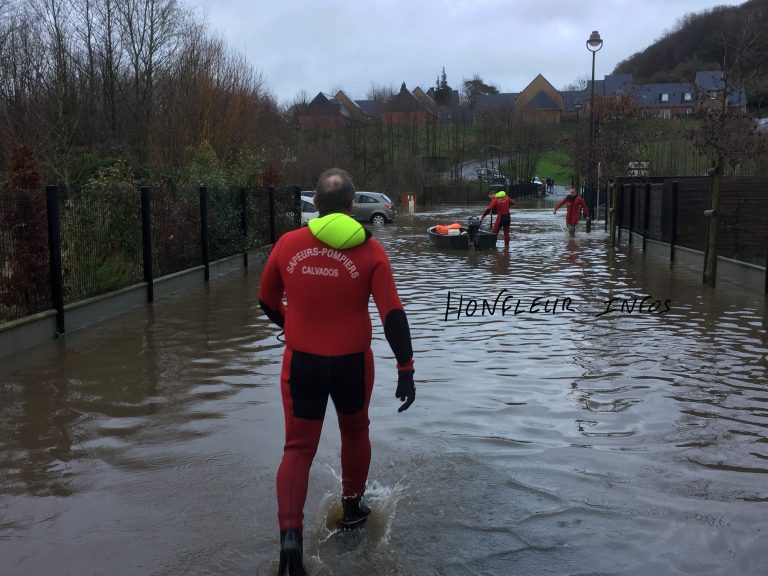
x: 378, y: 219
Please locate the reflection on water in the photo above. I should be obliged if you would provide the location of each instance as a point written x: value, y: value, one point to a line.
x: 548, y: 436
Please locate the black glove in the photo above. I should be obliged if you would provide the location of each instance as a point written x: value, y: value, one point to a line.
x: 406, y: 389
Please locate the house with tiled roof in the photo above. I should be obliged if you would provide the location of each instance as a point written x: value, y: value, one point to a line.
x: 405, y: 109
x: 669, y: 100
x: 330, y: 112
x: 612, y: 85
x: 539, y: 102
x: 488, y: 106
x: 372, y: 108
x: 356, y: 112
x: 324, y: 111
x: 427, y: 101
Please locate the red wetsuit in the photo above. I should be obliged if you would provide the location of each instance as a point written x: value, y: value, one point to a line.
x: 502, y: 207
x: 328, y: 336
x: 572, y: 213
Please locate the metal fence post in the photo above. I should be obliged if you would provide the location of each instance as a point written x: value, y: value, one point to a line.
x: 244, y: 224
x: 272, y: 214
x: 673, y: 231
x: 631, y: 211
x: 54, y: 255
x: 297, y: 205
x: 713, y: 225
x: 646, y: 212
x: 620, y: 213
x: 204, y: 230
x: 146, y: 241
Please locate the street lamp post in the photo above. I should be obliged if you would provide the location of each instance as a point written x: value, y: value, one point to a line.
x: 577, y: 104
x: 594, y: 43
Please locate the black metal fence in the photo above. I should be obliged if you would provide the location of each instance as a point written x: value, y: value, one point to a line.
x: 59, y: 246
x: 25, y: 286
x: 672, y: 210
x: 100, y: 241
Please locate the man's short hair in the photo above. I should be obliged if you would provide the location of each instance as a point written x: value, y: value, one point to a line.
x: 335, y: 190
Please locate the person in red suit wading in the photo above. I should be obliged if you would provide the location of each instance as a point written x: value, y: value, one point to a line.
x: 502, y: 204
x: 573, y: 212
x: 327, y: 272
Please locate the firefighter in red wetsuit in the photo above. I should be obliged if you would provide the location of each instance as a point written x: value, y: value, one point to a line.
x: 573, y: 213
x: 501, y: 204
x: 327, y: 272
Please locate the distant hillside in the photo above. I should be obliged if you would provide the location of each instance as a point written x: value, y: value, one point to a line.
x: 731, y: 38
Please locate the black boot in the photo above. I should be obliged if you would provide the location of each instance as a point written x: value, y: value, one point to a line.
x: 354, y: 513
x: 291, y: 554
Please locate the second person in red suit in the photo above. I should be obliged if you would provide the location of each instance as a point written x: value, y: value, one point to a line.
x: 501, y: 204
x: 576, y: 205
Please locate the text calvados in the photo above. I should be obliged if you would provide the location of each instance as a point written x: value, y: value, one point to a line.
x: 325, y: 252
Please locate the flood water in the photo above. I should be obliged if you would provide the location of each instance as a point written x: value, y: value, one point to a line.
x: 540, y: 443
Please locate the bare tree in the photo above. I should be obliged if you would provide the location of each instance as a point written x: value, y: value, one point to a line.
x: 149, y: 30
x: 137, y: 79
x: 620, y: 136
x: 84, y: 24
x: 109, y: 56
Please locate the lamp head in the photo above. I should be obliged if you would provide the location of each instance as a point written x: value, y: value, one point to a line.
x: 594, y: 43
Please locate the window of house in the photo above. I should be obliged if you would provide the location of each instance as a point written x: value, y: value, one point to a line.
x: 687, y: 96
x: 713, y: 94
x: 664, y: 97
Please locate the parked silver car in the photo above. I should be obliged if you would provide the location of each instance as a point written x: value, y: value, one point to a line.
x: 308, y: 210
x: 373, y: 207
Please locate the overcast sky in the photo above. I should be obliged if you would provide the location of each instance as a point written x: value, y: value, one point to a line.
x: 327, y: 45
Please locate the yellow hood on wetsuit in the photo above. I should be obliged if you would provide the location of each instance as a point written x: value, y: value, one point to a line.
x: 501, y: 194
x: 338, y: 231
